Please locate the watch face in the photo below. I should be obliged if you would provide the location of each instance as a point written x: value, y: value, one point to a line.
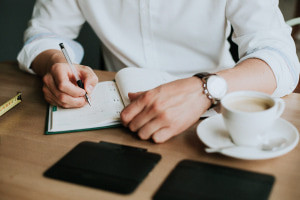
x: 216, y: 86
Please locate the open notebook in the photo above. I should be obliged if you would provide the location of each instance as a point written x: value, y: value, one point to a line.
x: 108, y: 100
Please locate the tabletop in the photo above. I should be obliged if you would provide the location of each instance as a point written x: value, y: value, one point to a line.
x: 26, y: 153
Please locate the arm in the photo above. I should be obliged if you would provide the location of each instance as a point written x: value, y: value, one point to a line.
x: 268, y: 64
x: 250, y: 74
x: 261, y: 32
x: 171, y: 108
x: 54, y: 22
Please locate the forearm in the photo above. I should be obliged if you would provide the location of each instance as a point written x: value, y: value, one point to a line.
x: 251, y: 74
x: 43, y: 62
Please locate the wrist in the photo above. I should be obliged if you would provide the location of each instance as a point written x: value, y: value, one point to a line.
x: 55, y: 56
x: 45, y: 60
x: 203, y: 98
x: 214, y: 87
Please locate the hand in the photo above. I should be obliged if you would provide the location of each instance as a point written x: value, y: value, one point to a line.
x: 60, y: 87
x: 167, y: 110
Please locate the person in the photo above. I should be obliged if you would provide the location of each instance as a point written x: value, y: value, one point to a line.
x: 182, y: 37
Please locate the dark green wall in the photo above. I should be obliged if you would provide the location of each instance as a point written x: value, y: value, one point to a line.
x: 14, y: 16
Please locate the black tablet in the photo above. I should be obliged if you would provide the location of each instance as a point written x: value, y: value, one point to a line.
x: 107, y: 166
x: 198, y: 180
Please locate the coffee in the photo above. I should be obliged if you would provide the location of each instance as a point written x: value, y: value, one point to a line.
x: 249, y: 104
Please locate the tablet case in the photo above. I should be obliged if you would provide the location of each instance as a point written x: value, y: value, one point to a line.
x: 197, y: 180
x: 107, y: 166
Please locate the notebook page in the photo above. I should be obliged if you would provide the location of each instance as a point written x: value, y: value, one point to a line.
x: 106, y: 108
x: 140, y: 79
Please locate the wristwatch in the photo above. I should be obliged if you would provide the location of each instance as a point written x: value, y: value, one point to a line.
x: 214, y: 86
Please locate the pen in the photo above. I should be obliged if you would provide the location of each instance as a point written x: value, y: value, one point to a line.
x: 78, y: 81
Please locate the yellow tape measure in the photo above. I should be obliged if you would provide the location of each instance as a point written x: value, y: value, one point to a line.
x: 10, y: 103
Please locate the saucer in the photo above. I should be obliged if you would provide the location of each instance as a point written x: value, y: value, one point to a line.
x: 212, y: 132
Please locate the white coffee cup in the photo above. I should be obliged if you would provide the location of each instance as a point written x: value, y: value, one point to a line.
x: 248, y: 115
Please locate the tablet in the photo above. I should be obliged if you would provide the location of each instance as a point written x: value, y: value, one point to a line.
x: 198, y: 180
x: 107, y: 166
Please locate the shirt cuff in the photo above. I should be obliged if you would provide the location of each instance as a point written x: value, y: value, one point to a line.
x: 32, y: 49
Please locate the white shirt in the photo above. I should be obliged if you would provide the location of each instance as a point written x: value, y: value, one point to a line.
x: 182, y: 37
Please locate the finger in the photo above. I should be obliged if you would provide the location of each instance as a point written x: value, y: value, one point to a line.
x: 133, y: 96
x: 60, y: 98
x: 150, y: 128
x: 49, y: 97
x: 136, y: 107
x: 175, y: 123
x: 163, y: 135
x: 50, y: 85
x: 141, y: 119
x: 156, y: 109
x: 89, y: 78
x: 63, y: 77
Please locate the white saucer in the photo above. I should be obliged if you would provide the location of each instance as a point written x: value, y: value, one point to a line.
x: 212, y: 132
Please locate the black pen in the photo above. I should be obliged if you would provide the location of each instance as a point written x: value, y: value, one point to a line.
x: 78, y: 81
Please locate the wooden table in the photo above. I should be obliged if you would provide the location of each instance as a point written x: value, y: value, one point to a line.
x: 25, y: 152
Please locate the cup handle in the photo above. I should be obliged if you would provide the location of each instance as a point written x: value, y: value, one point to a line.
x: 280, y: 107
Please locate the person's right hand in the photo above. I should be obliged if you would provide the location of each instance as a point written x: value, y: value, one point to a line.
x: 60, y: 87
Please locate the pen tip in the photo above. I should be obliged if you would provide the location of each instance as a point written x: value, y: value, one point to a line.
x: 88, y: 100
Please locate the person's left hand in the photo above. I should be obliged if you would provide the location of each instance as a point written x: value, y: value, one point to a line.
x: 167, y: 110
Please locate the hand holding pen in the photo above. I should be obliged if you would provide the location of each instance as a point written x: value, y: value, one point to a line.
x: 74, y: 71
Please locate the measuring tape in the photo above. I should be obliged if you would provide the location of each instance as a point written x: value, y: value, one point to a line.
x: 10, y: 103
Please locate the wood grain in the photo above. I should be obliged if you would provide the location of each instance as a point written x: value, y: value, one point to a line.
x: 25, y: 152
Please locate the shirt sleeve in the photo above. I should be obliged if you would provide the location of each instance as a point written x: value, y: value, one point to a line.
x: 261, y: 32
x: 52, y: 22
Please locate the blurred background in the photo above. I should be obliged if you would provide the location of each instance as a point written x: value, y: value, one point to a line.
x: 14, y: 15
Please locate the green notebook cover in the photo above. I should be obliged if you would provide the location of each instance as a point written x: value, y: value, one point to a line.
x: 49, y: 132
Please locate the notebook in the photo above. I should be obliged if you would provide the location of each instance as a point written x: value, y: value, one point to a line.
x: 108, y: 100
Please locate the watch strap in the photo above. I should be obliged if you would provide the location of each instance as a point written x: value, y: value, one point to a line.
x: 204, y: 76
